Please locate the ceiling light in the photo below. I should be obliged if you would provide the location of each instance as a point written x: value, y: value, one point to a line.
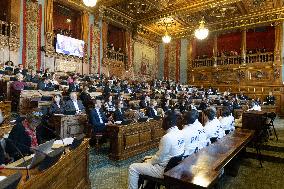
x: 90, y: 3
x: 201, y: 32
x: 166, y: 38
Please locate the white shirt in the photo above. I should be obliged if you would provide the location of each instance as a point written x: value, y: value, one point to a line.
x: 227, y: 123
x: 75, y: 102
x: 191, y: 139
x: 255, y: 108
x: 171, y: 144
x: 214, y: 129
x: 155, y: 111
x: 99, y: 114
x: 203, y: 141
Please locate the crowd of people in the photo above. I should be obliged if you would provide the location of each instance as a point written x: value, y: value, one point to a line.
x: 156, y: 98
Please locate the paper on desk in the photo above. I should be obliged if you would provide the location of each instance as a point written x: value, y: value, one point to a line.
x: 67, y: 141
x: 2, y: 178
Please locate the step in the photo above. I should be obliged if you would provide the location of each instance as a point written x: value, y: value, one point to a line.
x: 266, y: 155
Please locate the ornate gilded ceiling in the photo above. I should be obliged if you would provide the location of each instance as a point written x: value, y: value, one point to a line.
x: 182, y: 16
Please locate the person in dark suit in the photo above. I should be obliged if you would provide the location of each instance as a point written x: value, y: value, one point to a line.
x: 57, y: 107
x: 23, y: 136
x: 107, y: 90
x: 20, y: 70
x: 143, y: 103
x: 119, y: 112
x: 45, y: 85
x: 86, y: 97
x: 74, y: 105
x: 270, y: 99
x: 75, y: 86
x: 151, y: 111
x: 98, y: 119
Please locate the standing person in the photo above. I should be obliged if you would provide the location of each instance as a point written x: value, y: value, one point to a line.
x: 171, y: 145
x: 16, y: 88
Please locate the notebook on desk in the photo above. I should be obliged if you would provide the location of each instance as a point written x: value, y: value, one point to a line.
x: 40, y: 153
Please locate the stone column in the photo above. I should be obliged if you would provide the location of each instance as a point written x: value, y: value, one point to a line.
x: 215, y: 50
x: 244, y: 46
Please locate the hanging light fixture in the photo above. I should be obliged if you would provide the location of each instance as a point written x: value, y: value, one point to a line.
x: 201, y: 32
x: 90, y: 3
x: 166, y: 38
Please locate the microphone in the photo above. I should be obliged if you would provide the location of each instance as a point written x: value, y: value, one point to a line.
x: 56, y: 136
x: 22, y: 156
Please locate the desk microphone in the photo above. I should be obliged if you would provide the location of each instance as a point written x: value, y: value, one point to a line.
x: 57, y: 135
x: 22, y: 156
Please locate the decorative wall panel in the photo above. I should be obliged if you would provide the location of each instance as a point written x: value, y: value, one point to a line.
x: 31, y: 22
x: 145, y: 58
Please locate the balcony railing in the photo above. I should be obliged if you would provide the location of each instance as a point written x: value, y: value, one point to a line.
x: 9, y: 29
x: 260, y: 57
x: 114, y: 55
x: 234, y: 60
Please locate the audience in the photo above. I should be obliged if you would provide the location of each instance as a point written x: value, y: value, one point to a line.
x: 171, y: 145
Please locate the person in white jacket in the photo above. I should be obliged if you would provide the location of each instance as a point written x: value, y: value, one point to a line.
x: 194, y: 133
x: 171, y: 145
x: 213, y: 128
x: 227, y: 120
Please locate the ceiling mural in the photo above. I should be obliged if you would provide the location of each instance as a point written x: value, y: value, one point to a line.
x: 150, y: 17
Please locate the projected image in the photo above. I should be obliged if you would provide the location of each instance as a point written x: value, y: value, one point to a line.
x: 69, y: 46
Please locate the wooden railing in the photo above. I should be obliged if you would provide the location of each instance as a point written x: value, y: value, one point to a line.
x: 114, y: 55
x: 233, y: 60
x: 9, y: 29
x: 260, y: 57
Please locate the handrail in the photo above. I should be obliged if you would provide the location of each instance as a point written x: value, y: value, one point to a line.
x: 234, y: 60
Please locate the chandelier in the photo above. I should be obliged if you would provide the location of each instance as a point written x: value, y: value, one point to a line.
x: 166, y: 38
x: 201, y: 32
x: 90, y: 3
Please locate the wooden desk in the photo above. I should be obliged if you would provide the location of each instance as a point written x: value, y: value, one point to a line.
x: 69, y: 125
x: 253, y: 120
x: 268, y: 108
x: 129, y: 140
x: 71, y: 171
x: 5, y: 107
x: 202, y: 169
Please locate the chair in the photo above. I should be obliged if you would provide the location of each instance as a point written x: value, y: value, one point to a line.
x: 271, y: 116
x: 158, y: 182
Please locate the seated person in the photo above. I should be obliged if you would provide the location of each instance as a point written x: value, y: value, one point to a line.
x: 119, y: 112
x: 227, y: 120
x: 75, y: 86
x: 23, y: 136
x: 171, y: 145
x: 143, y: 103
x: 151, y: 111
x: 243, y: 97
x: 270, y: 99
x: 254, y: 107
x: 203, y: 104
x: 109, y: 104
x: 86, y: 97
x: 45, y: 85
x: 20, y: 70
x: 191, y: 133
x: 98, y: 119
x: 213, y: 127
x: 57, y: 107
x: 73, y: 105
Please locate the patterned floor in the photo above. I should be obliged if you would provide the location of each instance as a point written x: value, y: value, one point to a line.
x: 106, y: 174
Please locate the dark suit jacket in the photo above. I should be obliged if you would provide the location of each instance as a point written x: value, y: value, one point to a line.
x: 69, y: 106
x: 143, y: 104
x: 86, y: 99
x: 21, y: 140
x: 95, y: 121
x: 17, y: 70
x: 74, y: 88
x: 150, y: 113
x: 48, y: 87
x: 2, y: 156
x: 54, y: 109
x: 118, y: 115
